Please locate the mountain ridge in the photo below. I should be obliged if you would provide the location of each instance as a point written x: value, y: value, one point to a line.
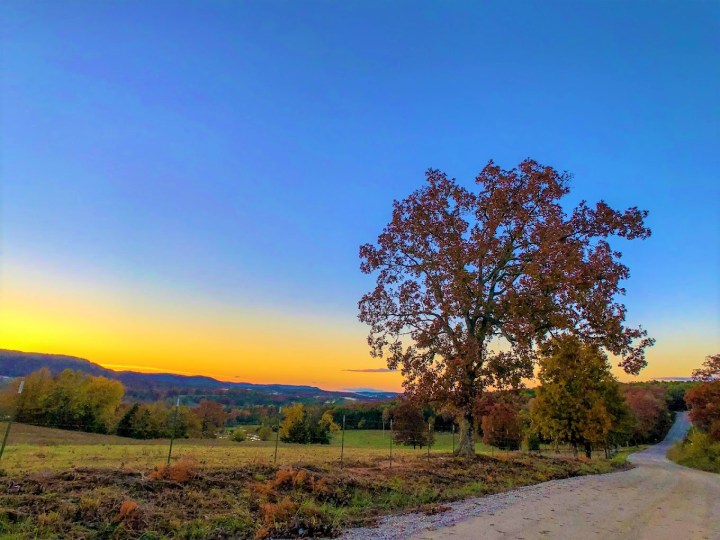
x: 15, y: 363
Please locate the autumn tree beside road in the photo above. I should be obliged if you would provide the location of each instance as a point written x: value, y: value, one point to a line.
x: 470, y: 282
x: 704, y: 399
x: 579, y: 401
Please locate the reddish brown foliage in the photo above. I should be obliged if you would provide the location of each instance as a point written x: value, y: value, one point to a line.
x: 130, y: 515
x: 501, y: 423
x: 212, y: 417
x: 181, y: 471
x: 409, y: 426
x: 710, y: 369
x: 501, y: 427
x: 457, y: 269
x: 650, y: 410
x: 704, y: 404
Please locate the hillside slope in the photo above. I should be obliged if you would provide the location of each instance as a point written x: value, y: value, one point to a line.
x: 152, y: 385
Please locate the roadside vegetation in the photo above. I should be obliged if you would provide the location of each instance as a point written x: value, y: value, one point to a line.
x: 698, y: 451
x: 701, y: 447
x: 190, y: 500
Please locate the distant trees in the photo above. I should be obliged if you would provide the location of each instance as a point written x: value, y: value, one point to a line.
x: 501, y: 422
x: 293, y: 427
x: 306, y: 425
x: 579, y: 401
x: 704, y: 403
x: 212, y: 418
x: 710, y: 370
x: 239, y: 435
x: 370, y: 414
x: 69, y: 400
x: 409, y: 426
x: 649, y: 408
x: 704, y: 399
x: 157, y: 421
x: 458, y: 270
x: 675, y: 393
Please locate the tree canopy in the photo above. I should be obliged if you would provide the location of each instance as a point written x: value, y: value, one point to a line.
x: 470, y: 282
x: 579, y: 401
x: 710, y: 369
x: 704, y: 399
x: 69, y: 400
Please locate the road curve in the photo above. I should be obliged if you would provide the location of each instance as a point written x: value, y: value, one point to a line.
x: 656, y: 500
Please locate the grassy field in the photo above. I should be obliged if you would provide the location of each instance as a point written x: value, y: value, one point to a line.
x: 257, y: 500
x: 32, y: 448
x: 64, y: 484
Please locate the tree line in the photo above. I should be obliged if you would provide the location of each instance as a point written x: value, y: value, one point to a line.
x: 704, y: 399
x: 578, y: 403
x: 78, y: 401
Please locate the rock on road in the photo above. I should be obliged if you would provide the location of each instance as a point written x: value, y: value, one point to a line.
x: 656, y: 500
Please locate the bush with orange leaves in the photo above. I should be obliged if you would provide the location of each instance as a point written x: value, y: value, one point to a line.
x: 130, y: 515
x: 294, y: 503
x: 704, y: 404
x: 181, y: 471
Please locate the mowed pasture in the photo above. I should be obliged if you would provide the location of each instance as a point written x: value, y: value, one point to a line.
x: 33, y: 448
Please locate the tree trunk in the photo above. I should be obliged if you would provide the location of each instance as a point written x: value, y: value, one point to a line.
x: 588, y: 450
x: 466, y: 443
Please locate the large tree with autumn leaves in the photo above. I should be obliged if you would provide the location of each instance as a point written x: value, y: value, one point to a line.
x: 471, y: 281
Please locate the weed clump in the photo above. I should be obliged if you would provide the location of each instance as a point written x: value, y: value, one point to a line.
x: 181, y: 471
x: 130, y: 516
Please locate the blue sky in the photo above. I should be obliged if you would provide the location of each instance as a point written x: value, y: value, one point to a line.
x: 236, y: 154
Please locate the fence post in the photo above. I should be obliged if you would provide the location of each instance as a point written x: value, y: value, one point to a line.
x: 342, y: 443
x: 428, y: 443
x: 172, y: 433
x: 10, y: 420
x: 391, y: 441
x: 453, y: 438
x: 277, y: 435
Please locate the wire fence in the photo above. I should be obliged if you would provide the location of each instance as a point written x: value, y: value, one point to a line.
x: 383, y: 444
x: 55, y: 437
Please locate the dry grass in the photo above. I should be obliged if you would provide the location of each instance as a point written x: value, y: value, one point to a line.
x: 32, y: 448
x: 181, y: 471
x: 224, y: 489
x: 256, y: 500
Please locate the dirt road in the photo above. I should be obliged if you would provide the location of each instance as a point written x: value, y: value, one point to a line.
x: 656, y: 500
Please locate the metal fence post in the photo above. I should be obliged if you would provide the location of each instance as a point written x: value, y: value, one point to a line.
x: 342, y: 443
x: 172, y: 432
x: 391, y: 442
x: 10, y: 420
x: 277, y: 435
x: 428, y: 443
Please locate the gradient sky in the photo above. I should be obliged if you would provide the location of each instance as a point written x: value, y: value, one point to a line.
x: 185, y: 184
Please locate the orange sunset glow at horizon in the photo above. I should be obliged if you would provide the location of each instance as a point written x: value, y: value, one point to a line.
x: 151, y: 332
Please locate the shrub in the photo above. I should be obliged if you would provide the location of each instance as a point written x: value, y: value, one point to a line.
x: 698, y: 451
x: 181, y: 471
x: 239, y: 435
x: 130, y: 515
x: 533, y: 442
x: 265, y: 433
x: 501, y: 426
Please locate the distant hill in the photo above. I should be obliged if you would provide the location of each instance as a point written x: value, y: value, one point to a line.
x: 151, y: 386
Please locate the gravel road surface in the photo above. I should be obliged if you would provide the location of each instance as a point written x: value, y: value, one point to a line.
x: 656, y: 500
